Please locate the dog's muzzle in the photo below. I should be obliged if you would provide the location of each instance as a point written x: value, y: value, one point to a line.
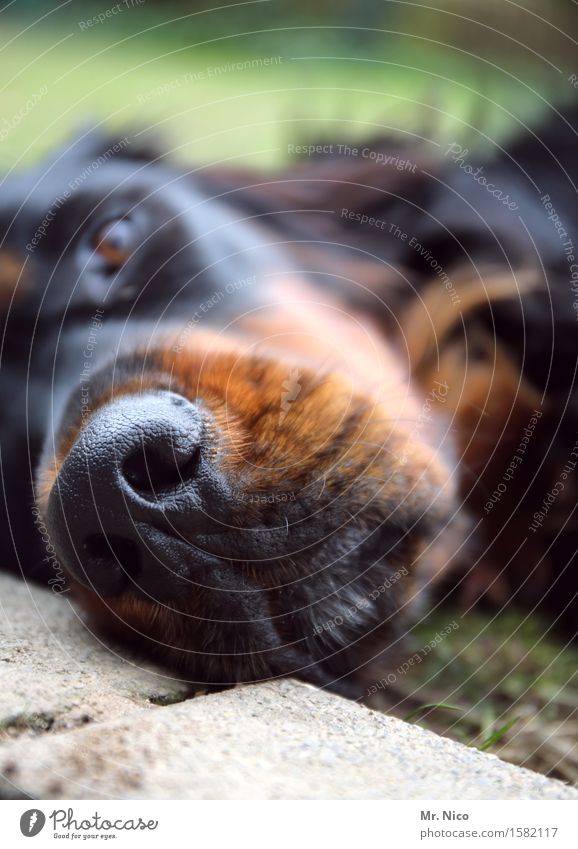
x: 134, y: 492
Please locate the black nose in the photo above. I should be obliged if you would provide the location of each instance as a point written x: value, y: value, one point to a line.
x: 136, y: 479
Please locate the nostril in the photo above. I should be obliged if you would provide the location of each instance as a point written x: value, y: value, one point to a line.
x: 105, y: 554
x: 151, y: 471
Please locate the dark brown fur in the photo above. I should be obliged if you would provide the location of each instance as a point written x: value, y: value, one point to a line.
x: 378, y: 484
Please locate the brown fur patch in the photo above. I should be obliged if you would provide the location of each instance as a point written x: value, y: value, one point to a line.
x: 13, y: 276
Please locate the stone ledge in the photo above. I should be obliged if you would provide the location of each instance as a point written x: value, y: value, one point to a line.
x: 81, y: 722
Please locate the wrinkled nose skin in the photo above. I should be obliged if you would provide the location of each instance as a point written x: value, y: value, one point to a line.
x: 134, y: 489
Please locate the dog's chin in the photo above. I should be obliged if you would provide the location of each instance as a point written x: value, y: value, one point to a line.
x: 219, y: 619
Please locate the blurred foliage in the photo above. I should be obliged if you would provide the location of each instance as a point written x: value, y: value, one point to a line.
x: 352, y: 70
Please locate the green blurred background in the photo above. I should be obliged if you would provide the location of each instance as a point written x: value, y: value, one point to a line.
x: 433, y: 72
x: 448, y: 70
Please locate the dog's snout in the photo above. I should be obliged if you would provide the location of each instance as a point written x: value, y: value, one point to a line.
x: 152, y: 469
x: 135, y: 471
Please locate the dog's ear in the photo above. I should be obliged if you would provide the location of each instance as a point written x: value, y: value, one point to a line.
x: 91, y: 142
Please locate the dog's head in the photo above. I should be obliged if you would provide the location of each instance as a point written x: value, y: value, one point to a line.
x: 235, y: 471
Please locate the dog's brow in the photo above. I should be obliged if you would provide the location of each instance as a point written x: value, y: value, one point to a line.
x: 13, y: 275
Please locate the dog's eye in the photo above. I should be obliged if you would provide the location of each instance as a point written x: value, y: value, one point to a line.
x: 115, y: 241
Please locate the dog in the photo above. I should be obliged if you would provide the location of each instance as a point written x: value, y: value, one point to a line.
x: 252, y: 422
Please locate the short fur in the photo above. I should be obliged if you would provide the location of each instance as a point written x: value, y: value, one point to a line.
x: 366, y: 387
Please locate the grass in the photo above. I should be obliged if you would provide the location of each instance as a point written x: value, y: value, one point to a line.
x: 211, y: 110
x: 503, y: 684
